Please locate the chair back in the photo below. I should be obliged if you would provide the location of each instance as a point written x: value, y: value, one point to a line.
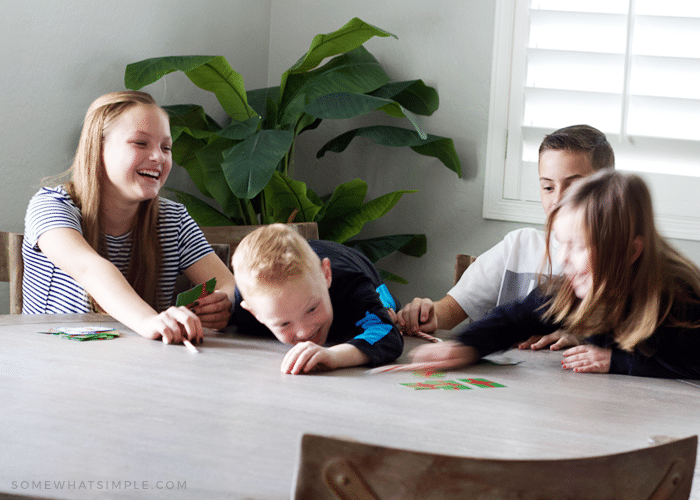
x: 338, y: 469
x: 462, y: 262
x: 232, y: 235
x: 12, y: 267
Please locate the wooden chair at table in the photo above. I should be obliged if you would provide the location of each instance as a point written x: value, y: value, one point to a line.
x: 462, y: 262
x: 12, y: 267
x: 337, y: 469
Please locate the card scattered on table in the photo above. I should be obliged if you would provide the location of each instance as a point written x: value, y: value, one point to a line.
x: 196, y: 293
x: 82, y: 333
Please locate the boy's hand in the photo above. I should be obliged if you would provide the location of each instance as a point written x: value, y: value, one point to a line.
x: 213, y: 310
x: 587, y: 359
x: 418, y: 315
x: 559, y: 340
x: 445, y: 355
x: 305, y: 357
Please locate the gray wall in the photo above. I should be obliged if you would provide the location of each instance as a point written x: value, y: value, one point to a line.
x: 57, y: 58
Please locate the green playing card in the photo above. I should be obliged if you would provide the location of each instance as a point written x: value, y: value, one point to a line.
x: 193, y: 294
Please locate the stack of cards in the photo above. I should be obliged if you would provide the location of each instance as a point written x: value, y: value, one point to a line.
x: 81, y: 333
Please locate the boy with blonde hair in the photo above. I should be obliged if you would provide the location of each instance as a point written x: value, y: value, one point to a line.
x: 323, y: 297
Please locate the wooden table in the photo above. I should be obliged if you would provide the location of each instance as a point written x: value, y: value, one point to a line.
x: 133, y: 418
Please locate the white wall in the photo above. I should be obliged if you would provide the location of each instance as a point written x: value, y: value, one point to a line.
x: 57, y: 57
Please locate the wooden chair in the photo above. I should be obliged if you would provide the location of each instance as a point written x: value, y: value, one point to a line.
x: 337, y: 469
x: 461, y: 264
x: 12, y: 267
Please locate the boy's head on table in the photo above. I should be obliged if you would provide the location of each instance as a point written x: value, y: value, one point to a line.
x: 568, y: 154
x: 284, y: 284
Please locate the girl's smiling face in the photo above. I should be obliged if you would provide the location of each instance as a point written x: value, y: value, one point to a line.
x: 136, y: 155
x: 574, y: 253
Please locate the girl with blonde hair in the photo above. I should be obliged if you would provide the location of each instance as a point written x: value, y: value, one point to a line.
x: 105, y: 241
x: 626, y: 291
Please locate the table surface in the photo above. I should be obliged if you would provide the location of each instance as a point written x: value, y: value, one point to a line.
x: 113, y: 418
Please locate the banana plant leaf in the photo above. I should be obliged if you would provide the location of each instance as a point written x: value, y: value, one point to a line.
x: 248, y: 166
x: 346, y: 105
x: 357, y: 71
x: 436, y: 146
x: 375, y: 249
x: 341, y: 225
x: 413, y: 95
x: 284, y: 195
x: 350, y: 36
x: 203, y: 213
x: 212, y: 73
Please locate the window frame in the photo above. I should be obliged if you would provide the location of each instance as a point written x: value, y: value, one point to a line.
x: 503, y: 190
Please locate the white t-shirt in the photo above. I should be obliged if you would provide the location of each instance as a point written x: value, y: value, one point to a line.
x: 508, y: 271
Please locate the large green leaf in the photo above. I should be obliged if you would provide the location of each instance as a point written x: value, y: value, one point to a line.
x: 413, y: 95
x: 248, y: 166
x: 212, y: 73
x: 283, y: 195
x: 343, y: 105
x: 375, y: 249
x: 192, y: 120
x: 356, y: 71
x: 345, y: 199
x: 202, y: 213
x: 352, y: 35
x: 387, y: 276
x: 184, y: 151
x: 238, y: 131
x: 211, y: 157
x: 436, y: 146
x: 346, y: 226
x: 258, y: 99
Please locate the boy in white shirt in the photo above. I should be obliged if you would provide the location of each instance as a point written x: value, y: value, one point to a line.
x: 510, y: 269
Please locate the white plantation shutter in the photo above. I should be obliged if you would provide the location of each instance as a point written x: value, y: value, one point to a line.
x: 630, y: 68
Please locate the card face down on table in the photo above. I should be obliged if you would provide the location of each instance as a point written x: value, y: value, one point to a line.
x: 193, y: 294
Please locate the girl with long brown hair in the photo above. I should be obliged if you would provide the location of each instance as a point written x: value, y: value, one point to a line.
x: 105, y: 241
x: 626, y: 292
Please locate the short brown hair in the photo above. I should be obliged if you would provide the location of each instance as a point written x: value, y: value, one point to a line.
x: 582, y: 138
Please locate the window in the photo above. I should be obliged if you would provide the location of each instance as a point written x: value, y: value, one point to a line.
x: 630, y: 68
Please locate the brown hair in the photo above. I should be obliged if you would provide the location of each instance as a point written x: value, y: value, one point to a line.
x: 630, y: 299
x: 582, y: 138
x: 86, y: 175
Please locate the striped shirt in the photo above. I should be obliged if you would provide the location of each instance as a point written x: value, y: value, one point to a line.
x: 47, y: 289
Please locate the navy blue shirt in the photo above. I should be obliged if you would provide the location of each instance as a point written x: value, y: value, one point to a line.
x: 359, y: 300
x: 671, y: 352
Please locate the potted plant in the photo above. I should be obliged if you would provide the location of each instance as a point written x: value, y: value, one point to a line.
x: 245, y: 166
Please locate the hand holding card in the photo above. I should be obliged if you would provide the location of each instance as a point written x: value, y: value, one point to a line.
x: 193, y: 294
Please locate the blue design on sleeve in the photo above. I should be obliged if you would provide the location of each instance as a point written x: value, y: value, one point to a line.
x: 386, y: 297
x: 374, y: 328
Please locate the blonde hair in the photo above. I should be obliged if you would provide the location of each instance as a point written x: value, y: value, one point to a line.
x: 630, y: 299
x: 271, y: 255
x: 86, y: 177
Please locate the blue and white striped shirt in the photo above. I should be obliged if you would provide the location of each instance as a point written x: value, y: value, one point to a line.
x: 47, y: 289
